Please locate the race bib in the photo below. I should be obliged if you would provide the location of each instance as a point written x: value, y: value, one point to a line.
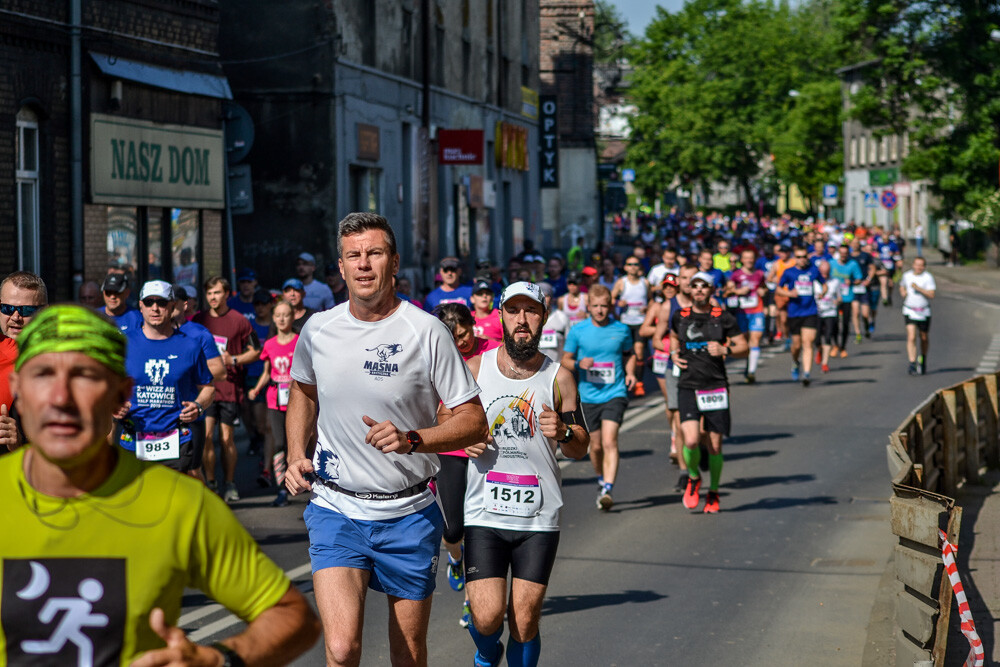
x: 158, y: 446
x: 919, y: 314
x: 676, y: 372
x: 771, y: 286
x: 220, y: 343
x: 548, y: 341
x: 284, y: 390
x: 513, y: 495
x: 749, y: 301
x: 477, y: 331
x: 602, y: 372
x: 804, y: 289
x: 660, y: 362
x: 732, y: 301
x: 712, y: 399
x: 859, y: 289
x: 845, y: 290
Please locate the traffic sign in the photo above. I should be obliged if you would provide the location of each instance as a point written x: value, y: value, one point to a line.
x: 628, y: 175
x: 888, y: 199
x: 830, y: 197
x: 871, y: 199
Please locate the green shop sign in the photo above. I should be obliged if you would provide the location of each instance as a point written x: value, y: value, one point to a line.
x: 139, y: 163
x: 880, y: 178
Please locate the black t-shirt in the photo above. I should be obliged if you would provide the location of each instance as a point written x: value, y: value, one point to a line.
x: 864, y: 261
x: 695, y: 331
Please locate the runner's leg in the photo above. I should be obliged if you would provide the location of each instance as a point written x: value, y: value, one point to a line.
x: 408, y: 621
x: 340, y: 598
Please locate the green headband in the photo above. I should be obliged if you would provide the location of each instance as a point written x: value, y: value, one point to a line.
x: 70, y: 328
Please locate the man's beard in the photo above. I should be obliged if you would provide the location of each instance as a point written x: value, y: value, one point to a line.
x: 521, y: 351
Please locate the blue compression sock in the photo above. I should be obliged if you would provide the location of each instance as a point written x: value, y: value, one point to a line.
x: 526, y: 654
x: 488, y: 646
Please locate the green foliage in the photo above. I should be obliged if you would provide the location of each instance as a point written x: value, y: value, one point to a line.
x: 987, y: 214
x: 611, y: 35
x: 712, y: 83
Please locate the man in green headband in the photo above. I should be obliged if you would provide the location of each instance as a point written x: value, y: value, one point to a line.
x: 114, y: 538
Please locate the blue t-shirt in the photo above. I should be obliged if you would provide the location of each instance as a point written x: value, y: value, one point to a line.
x: 887, y: 251
x: 606, y: 345
x: 720, y: 277
x: 127, y: 322
x: 166, y: 372
x: 242, y: 307
x: 801, y: 282
x: 201, y: 334
x: 461, y: 294
x: 849, y: 275
x: 256, y: 368
x: 816, y: 259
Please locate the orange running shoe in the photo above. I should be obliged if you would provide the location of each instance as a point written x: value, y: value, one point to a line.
x: 843, y: 353
x: 712, y: 503
x: 639, y: 390
x: 691, y: 497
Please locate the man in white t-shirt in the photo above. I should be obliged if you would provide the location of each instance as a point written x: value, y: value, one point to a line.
x: 669, y: 265
x: 368, y: 375
x: 917, y: 289
x: 554, y: 332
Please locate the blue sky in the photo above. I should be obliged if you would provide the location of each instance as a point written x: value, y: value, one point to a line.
x: 639, y: 13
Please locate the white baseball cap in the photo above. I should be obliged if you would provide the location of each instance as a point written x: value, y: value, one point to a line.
x: 522, y: 288
x: 704, y: 277
x: 158, y: 288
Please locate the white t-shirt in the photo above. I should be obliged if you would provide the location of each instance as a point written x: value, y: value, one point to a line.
x: 554, y: 335
x: 655, y: 275
x: 916, y: 306
x: 826, y: 305
x: 398, y: 369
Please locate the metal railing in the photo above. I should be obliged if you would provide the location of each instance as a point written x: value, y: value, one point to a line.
x: 942, y: 445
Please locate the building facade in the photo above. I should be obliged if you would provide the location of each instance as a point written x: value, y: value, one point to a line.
x: 424, y: 111
x: 111, y: 145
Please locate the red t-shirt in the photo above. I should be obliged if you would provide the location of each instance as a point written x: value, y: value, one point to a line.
x: 8, y: 355
x: 232, y: 333
x: 280, y: 357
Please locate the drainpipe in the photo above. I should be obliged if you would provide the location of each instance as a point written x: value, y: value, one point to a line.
x: 76, y: 143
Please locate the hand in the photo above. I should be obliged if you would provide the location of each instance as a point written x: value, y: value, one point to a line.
x: 552, y: 426
x: 587, y: 363
x: 227, y: 359
x: 474, y: 451
x: 180, y: 651
x: 678, y: 360
x: 716, y: 349
x: 122, y: 412
x: 252, y: 394
x: 295, y: 480
x: 190, y: 411
x: 384, y: 436
x: 8, y: 430
x: 629, y: 381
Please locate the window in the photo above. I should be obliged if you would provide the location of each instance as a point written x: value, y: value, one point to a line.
x: 883, y: 149
x: 894, y: 148
x: 863, y: 152
x: 368, y: 32
x: 407, y: 47
x: 439, y: 55
x: 467, y: 86
x: 853, y: 159
x: 365, y: 189
x: 27, y: 176
x: 873, y: 151
x: 184, y: 234
x: 123, y: 239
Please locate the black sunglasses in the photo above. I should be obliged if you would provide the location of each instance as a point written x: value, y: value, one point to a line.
x: 25, y: 311
x: 449, y: 269
x: 149, y: 302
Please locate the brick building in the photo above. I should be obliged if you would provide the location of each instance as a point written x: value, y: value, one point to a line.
x: 570, y: 207
x: 146, y: 191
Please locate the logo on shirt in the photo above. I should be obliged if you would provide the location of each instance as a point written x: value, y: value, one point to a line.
x: 383, y: 367
x: 156, y: 370
x: 516, y: 419
x: 63, y: 611
x: 281, y: 365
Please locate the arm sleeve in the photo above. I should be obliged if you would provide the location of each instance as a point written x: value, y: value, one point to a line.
x: 449, y: 373
x: 264, y: 356
x: 572, y: 341
x: 201, y: 373
x: 302, y: 363
x: 208, y: 345
x: 228, y: 565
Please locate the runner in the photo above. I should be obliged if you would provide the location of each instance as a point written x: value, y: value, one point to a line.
x: 513, y: 497
x: 656, y: 274
x: 867, y: 264
x: 600, y: 351
x: 917, y: 288
x: 888, y: 253
x: 78, y: 512
x: 173, y: 385
x: 116, y: 291
x: 848, y: 272
x: 451, y: 290
x: 666, y: 372
x: 574, y: 302
x: 487, y: 317
x: 796, y: 285
x: 701, y: 337
x: 828, y: 301
x: 556, y: 327
x: 778, y: 268
x: 632, y: 295
x: 749, y: 290
x: 276, y: 356
x: 361, y: 377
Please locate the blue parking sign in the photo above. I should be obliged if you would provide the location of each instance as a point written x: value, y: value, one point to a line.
x: 829, y: 192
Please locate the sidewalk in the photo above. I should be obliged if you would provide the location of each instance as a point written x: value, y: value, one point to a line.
x: 971, y: 275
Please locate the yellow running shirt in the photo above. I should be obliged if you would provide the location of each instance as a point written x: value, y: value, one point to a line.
x: 80, y: 575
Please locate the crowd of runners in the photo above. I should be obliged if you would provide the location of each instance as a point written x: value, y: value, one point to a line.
x: 350, y: 388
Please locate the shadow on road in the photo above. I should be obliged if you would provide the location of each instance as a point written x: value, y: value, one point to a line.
x: 647, y: 502
x: 854, y: 368
x: 634, y: 453
x: 561, y: 604
x: 737, y: 456
x: 783, y: 503
x: 755, y: 482
x: 953, y: 369
x: 755, y: 437
x: 862, y: 380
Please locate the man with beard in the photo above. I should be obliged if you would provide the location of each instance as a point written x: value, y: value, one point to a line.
x: 701, y: 337
x: 600, y: 350
x: 513, y: 495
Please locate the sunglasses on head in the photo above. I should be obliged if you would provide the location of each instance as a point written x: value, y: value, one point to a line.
x: 25, y: 311
x: 149, y: 302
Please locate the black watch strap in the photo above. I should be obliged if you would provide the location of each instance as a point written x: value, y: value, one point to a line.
x: 230, y: 658
x: 566, y: 436
x: 414, y: 439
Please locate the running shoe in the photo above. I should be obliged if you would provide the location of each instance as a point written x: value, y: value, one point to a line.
x: 795, y: 373
x: 751, y: 378
x: 466, y: 618
x: 819, y: 356
x: 806, y: 380
x: 456, y: 571
x: 264, y: 478
x: 691, y: 496
x: 639, y: 390
x: 675, y: 458
x: 923, y: 365
x: 280, y: 500
x: 712, y: 502
x: 231, y: 495
x: 857, y: 339
x: 826, y: 368
x: 604, y: 500
x: 912, y: 370
x: 212, y: 485
x: 843, y: 354
x: 483, y: 662
x: 788, y: 344
x: 682, y: 483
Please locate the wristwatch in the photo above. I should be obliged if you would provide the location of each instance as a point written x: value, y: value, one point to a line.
x: 566, y: 436
x: 230, y: 658
x: 414, y: 439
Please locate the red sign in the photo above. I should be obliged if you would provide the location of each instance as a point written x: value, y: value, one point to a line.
x: 460, y: 146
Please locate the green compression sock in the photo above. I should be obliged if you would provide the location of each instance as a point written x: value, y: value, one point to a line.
x: 692, y: 456
x: 715, y: 469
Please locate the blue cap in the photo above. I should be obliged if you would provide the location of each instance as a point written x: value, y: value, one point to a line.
x: 246, y: 274
x: 294, y: 283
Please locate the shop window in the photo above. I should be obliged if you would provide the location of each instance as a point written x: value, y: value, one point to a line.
x: 154, y: 244
x: 863, y: 153
x: 123, y: 242
x: 27, y: 175
x: 365, y: 189
x: 184, y: 246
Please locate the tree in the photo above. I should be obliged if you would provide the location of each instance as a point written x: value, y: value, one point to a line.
x: 611, y: 35
x: 711, y: 83
x: 934, y: 74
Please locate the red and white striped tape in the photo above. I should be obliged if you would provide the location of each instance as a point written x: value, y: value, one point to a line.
x: 977, y: 657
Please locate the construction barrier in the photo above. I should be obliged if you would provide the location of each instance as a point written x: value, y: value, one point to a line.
x: 943, y: 444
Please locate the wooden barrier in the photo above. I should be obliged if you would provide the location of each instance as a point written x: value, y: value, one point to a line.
x: 941, y: 446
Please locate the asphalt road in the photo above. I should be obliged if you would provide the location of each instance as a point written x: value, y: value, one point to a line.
x: 786, y: 574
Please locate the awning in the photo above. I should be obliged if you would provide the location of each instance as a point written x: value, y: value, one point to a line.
x: 183, y: 81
